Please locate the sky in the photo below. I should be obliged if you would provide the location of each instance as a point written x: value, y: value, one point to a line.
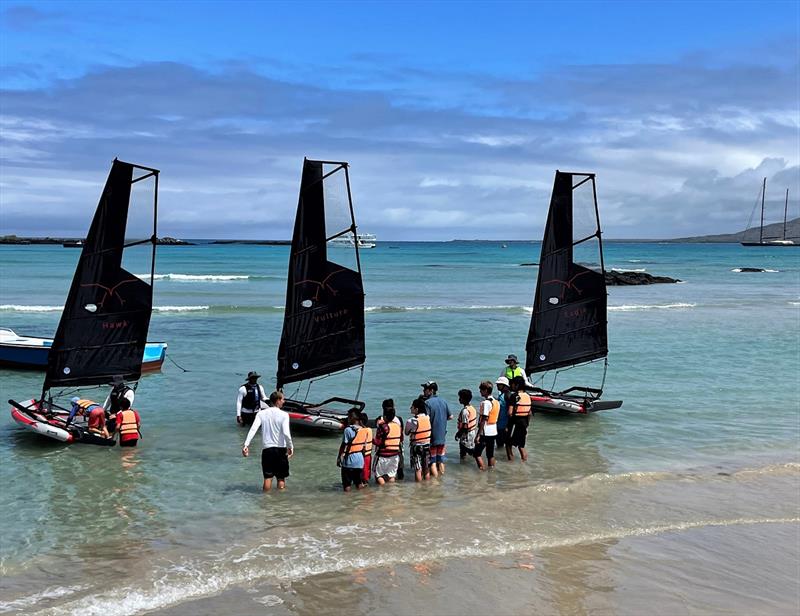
x: 453, y: 116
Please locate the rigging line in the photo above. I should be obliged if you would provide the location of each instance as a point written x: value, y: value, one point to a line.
x: 167, y: 355
x: 360, y: 382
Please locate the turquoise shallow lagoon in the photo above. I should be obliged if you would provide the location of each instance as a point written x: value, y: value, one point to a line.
x: 707, y: 438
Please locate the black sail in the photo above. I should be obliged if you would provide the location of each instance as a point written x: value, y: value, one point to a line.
x: 568, y: 325
x: 103, y: 329
x: 323, y: 327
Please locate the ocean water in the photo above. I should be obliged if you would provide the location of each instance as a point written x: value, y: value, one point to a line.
x: 702, y: 461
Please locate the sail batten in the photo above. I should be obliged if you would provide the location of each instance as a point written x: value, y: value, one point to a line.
x: 103, y: 328
x: 323, y: 327
x: 568, y: 324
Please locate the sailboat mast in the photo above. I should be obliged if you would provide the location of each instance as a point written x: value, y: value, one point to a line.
x: 785, y: 210
x: 761, y: 227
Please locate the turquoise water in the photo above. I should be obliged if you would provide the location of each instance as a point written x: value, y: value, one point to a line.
x: 708, y: 371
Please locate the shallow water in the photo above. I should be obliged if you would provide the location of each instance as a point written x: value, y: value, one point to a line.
x: 708, y: 370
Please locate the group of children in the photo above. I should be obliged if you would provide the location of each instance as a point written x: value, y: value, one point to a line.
x: 501, y: 421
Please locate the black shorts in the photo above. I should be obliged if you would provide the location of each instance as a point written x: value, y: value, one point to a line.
x: 465, y: 451
x: 274, y: 463
x: 518, y: 431
x: 248, y: 418
x: 131, y: 443
x: 502, y: 435
x: 486, y: 442
x: 351, y: 476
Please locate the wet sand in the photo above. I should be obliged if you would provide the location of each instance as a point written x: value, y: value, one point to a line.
x: 736, y: 569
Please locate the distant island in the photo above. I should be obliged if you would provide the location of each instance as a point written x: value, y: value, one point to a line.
x: 77, y: 242
x: 774, y: 230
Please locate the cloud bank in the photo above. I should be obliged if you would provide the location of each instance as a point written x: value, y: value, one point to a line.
x: 679, y: 149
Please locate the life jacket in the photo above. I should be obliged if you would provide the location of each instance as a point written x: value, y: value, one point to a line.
x: 510, y: 374
x: 523, y: 406
x: 117, y: 394
x: 391, y: 443
x: 494, y: 412
x: 360, y: 443
x: 252, y: 397
x: 85, y: 405
x: 472, y: 418
x: 422, y: 435
x: 128, y: 426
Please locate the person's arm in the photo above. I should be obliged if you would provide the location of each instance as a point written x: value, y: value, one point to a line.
x: 287, y: 435
x: 264, y: 402
x: 409, y: 425
x: 130, y: 396
x: 343, y: 445
x: 239, y: 398
x: 447, y: 410
x: 253, y: 429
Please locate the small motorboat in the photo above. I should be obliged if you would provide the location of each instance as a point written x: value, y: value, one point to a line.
x: 30, y: 352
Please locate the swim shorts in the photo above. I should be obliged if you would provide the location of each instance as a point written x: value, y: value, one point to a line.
x: 351, y: 476
x: 420, y: 457
x: 485, y: 442
x: 437, y: 453
x: 275, y: 463
x: 517, y: 432
x: 387, y: 467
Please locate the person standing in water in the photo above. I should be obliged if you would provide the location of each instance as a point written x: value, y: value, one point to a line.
x: 249, y: 399
x: 487, y: 429
x: 276, y: 440
x: 519, y: 416
x: 118, y: 391
x: 128, y: 424
x: 388, y: 441
x: 439, y: 414
x: 351, y: 451
x: 467, y: 425
x: 513, y: 369
x: 418, y: 427
x: 503, y: 391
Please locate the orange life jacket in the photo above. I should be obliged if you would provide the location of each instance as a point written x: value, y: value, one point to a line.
x: 361, y: 442
x: 523, y: 406
x: 494, y: 413
x: 391, y: 443
x: 472, y: 418
x: 85, y: 405
x: 422, y: 435
x: 128, y: 426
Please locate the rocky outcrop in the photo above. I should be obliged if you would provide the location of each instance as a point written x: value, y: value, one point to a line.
x: 171, y: 241
x: 616, y: 279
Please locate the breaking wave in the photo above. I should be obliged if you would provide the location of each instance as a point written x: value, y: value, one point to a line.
x: 637, y: 307
x: 628, y: 269
x: 203, y: 277
x: 763, y: 270
x: 20, y: 308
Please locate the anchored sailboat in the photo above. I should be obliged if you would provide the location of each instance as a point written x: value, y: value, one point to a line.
x: 568, y: 325
x: 323, y: 326
x: 771, y: 241
x: 103, y: 328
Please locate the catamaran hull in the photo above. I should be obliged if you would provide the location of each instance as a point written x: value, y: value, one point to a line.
x: 557, y: 404
x: 27, y: 415
x: 316, y: 424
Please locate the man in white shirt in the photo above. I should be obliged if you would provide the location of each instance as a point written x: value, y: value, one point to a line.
x: 250, y: 400
x: 276, y: 441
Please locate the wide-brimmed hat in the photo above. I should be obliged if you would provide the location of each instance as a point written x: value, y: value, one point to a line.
x: 511, y: 358
x: 253, y: 374
x: 502, y: 381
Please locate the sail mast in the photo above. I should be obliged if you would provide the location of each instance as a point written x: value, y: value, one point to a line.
x: 761, y: 227
x: 785, y: 210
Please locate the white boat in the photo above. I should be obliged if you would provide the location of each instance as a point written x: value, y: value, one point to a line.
x: 365, y: 240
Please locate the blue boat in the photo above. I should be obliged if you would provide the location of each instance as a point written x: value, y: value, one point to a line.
x: 29, y: 352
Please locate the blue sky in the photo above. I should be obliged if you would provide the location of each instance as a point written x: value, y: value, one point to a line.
x: 447, y: 112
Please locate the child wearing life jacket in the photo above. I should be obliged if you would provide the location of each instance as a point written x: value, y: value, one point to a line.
x: 367, y: 470
x: 519, y: 416
x: 351, y: 451
x: 418, y: 427
x: 128, y: 424
x: 467, y: 425
x: 487, y: 428
x: 388, y: 441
